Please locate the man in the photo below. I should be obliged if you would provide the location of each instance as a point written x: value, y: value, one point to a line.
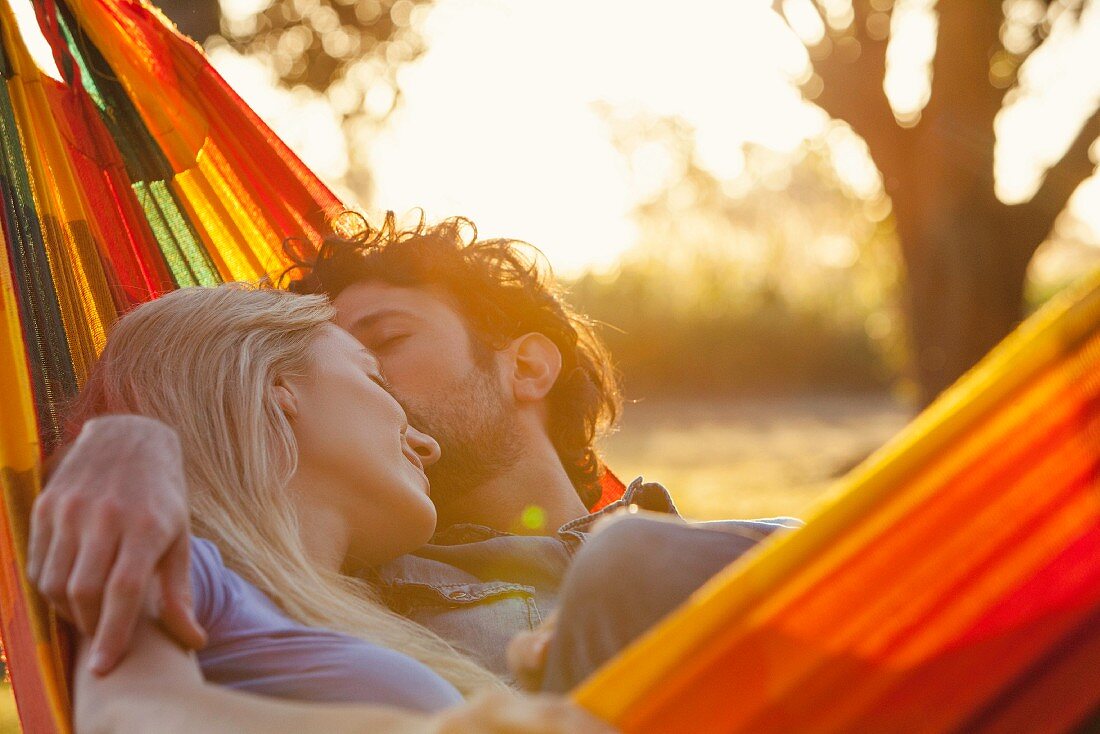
x: 486, y: 357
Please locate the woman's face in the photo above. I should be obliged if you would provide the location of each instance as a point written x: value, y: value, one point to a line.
x: 358, y: 458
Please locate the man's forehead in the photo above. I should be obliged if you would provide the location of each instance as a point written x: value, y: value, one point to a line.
x: 363, y: 303
x: 338, y: 343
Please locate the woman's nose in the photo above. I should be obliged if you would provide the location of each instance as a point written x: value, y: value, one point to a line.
x: 424, y: 446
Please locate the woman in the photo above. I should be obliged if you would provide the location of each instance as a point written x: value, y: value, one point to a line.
x: 299, y: 464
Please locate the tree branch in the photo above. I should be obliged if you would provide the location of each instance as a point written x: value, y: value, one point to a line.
x: 852, y: 87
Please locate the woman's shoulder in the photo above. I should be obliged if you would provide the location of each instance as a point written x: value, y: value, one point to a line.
x: 207, y: 578
x: 215, y: 587
x: 205, y: 554
x: 222, y: 598
x: 254, y: 646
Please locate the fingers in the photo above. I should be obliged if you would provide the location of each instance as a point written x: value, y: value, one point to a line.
x: 178, y: 608
x: 41, y: 530
x: 124, y: 600
x: 582, y: 722
x: 526, y: 657
x: 526, y: 653
x: 84, y: 589
x: 56, y: 570
x: 114, y: 508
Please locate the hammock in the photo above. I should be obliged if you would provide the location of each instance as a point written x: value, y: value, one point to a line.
x: 142, y: 172
x: 951, y: 584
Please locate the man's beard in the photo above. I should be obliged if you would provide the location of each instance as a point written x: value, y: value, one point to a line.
x: 477, y: 434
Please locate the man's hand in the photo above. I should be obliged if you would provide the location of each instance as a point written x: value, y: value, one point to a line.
x: 526, y: 653
x: 112, y: 517
x: 507, y: 713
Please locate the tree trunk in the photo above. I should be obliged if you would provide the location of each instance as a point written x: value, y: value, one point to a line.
x: 965, y: 252
x: 966, y: 272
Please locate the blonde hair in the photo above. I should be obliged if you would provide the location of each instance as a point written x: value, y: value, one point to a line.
x: 203, y: 361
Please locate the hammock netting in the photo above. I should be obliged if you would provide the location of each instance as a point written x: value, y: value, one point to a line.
x: 953, y: 583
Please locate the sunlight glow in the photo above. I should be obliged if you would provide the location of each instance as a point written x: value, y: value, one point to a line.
x: 1083, y: 207
x: 1021, y: 18
x: 805, y: 20
x: 853, y: 162
x: 499, y: 123
x: 504, y: 118
x: 32, y: 35
x: 909, y: 54
x: 839, y: 14
x: 1059, y: 88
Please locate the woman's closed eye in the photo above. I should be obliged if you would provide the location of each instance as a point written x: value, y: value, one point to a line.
x: 380, y: 380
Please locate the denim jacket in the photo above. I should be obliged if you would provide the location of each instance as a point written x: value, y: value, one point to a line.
x: 477, y: 587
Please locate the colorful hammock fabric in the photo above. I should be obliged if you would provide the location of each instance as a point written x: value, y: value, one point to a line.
x: 952, y: 584
x: 140, y: 172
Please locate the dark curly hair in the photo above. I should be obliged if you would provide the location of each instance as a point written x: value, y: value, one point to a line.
x: 501, y: 293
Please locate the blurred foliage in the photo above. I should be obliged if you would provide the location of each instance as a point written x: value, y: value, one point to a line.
x: 348, y: 50
x: 715, y: 338
x: 924, y: 83
x: 781, y: 279
x: 1059, y: 263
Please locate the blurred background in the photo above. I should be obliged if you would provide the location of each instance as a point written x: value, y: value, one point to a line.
x: 798, y: 220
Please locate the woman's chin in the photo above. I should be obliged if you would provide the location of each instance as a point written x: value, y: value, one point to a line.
x: 427, y: 530
x: 420, y: 526
x: 401, y: 526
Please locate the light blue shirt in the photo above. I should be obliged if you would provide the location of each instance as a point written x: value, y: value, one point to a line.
x: 477, y: 587
x: 253, y: 646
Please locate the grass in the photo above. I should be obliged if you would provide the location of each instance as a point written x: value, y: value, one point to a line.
x: 9, y: 719
x: 757, y: 457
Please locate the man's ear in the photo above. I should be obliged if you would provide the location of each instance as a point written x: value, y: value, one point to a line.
x: 286, y: 398
x: 536, y: 365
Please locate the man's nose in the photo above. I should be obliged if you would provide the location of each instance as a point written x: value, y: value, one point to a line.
x: 424, y: 445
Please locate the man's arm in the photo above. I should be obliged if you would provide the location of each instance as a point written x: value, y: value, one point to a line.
x: 112, y: 518
x: 634, y: 572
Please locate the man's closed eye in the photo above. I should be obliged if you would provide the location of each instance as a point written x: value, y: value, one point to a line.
x: 388, y: 341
